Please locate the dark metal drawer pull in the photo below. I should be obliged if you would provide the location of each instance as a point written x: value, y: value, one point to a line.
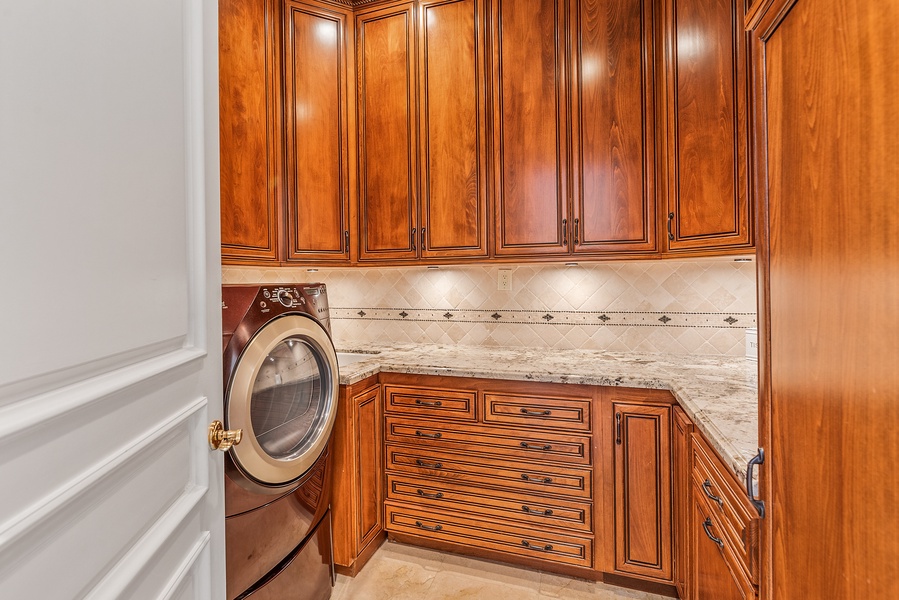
x: 531, y: 511
x: 706, y: 487
x: 536, y: 413
x: 527, y: 477
x: 423, y: 526
x: 544, y: 548
x: 529, y: 447
x: 435, y: 436
x: 427, y: 495
x: 422, y: 463
x: 705, y: 527
x: 423, y: 403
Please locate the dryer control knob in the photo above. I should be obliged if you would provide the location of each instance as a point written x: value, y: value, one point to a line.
x: 285, y: 298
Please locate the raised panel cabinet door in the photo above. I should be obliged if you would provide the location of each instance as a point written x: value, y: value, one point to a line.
x: 530, y: 127
x: 612, y: 134
x: 315, y: 121
x: 388, y: 156
x: 708, y: 200
x: 453, y: 104
x: 250, y: 130
x: 642, y: 515
x: 358, y: 488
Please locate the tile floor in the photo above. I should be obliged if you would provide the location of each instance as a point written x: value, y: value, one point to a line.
x: 401, y: 572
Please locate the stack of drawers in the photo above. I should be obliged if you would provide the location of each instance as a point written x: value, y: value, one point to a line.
x: 491, y: 469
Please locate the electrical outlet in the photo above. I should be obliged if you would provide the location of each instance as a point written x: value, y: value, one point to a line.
x: 504, y: 281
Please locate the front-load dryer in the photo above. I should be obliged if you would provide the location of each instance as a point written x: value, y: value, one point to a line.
x: 281, y: 385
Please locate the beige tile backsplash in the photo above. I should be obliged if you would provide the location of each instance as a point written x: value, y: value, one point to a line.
x: 699, y: 306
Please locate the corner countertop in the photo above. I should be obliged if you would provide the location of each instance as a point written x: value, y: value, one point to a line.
x: 719, y: 393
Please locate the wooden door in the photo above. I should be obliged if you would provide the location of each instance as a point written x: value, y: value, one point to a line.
x: 358, y: 475
x: 110, y: 370
x: 642, y: 476
x: 453, y: 103
x: 388, y: 155
x: 705, y: 56
x: 828, y: 104
x: 530, y: 127
x: 612, y: 133
x: 315, y: 118
x: 250, y: 131
x: 682, y: 500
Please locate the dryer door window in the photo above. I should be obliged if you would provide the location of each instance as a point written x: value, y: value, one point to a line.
x: 287, y: 400
x: 283, y: 395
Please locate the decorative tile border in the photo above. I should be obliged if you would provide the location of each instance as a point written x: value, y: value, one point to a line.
x: 610, y: 318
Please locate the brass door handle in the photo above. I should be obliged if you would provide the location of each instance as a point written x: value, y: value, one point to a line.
x: 220, y: 439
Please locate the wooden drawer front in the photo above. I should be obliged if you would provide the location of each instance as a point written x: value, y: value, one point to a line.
x: 730, y: 508
x: 707, y: 525
x: 525, y: 445
x: 480, y: 470
x: 493, y: 535
x: 531, y: 411
x: 430, y: 402
x: 528, y: 509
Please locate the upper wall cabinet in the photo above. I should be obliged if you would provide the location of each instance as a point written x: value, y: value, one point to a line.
x: 613, y: 162
x: 250, y: 130
x: 530, y: 123
x: 705, y: 61
x: 423, y: 191
x: 315, y: 119
x: 452, y: 99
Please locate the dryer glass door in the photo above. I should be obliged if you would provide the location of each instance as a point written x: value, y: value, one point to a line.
x: 284, y: 397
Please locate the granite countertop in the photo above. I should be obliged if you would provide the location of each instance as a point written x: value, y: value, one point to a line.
x: 719, y: 393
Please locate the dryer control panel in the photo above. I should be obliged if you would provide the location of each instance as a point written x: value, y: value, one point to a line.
x: 289, y: 297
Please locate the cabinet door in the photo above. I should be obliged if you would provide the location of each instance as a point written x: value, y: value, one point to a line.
x: 315, y: 121
x: 358, y: 476
x: 708, y: 203
x: 250, y: 130
x: 681, y: 502
x: 642, y: 441
x: 712, y: 578
x: 612, y: 126
x: 530, y: 127
x: 387, y: 146
x: 452, y: 100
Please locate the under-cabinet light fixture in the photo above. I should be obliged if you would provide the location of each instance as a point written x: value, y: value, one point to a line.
x: 312, y: 270
x: 742, y: 260
x: 433, y: 267
x: 571, y: 264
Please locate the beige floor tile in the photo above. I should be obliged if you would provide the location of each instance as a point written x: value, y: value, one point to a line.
x: 557, y: 587
x: 450, y: 585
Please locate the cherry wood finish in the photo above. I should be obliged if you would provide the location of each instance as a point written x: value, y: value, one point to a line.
x: 452, y: 95
x: 388, y: 165
x: 713, y: 577
x: 827, y: 104
x: 530, y: 124
x: 681, y: 476
x: 315, y: 115
x: 250, y: 131
x: 612, y: 132
x: 639, y: 446
x: 706, y: 126
x: 492, y: 488
x: 358, y: 475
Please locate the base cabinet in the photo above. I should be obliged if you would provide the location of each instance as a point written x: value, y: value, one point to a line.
x: 681, y: 467
x: 358, y: 493
x: 714, y: 576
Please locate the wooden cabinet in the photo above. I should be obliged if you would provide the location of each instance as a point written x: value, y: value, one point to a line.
x: 517, y: 485
x: 388, y: 165
x: 358, y: 488
x: 708, y: 205
x: 712, y: 575
x: 315, y: 121
x: 530, y: 125
x: 423, y: 185
x: 640, y: 449
x: 250, y: 114
x: 452, y: 99
x: 681, y: 477
x: 612, y: 126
